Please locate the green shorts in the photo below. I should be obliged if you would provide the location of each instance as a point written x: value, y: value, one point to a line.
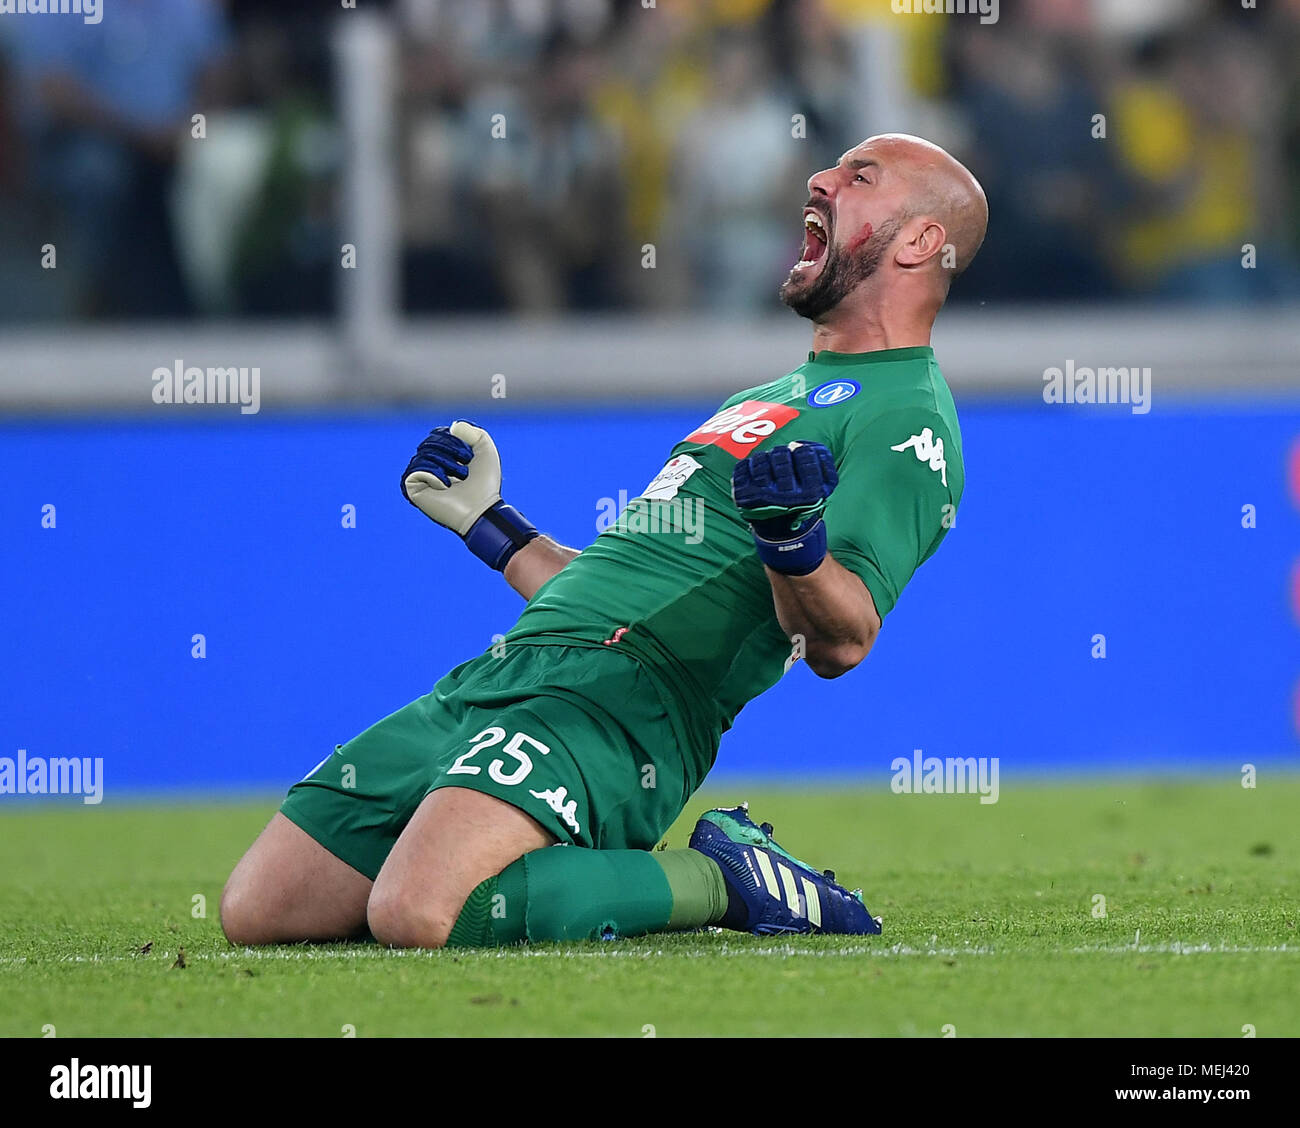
x: 577, y: 737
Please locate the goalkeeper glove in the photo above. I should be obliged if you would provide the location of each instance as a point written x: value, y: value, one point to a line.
x: 782, y: 493
x: 455, y: 480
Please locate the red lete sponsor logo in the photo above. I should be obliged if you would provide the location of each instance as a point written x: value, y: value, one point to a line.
x: 740, y: 428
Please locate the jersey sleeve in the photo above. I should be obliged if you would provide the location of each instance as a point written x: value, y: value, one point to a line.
x: 901, y: 479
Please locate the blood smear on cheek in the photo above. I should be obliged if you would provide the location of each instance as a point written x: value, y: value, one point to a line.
x: 867, y: 232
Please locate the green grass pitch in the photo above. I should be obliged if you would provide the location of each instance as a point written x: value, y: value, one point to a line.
x: 989, y: 918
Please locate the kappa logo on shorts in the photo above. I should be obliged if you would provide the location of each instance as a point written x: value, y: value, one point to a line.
x: 740, y: 428
x: 555, y: 799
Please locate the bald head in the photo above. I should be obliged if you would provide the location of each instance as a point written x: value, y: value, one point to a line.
x: 895, y: 215
x: 940, y: 187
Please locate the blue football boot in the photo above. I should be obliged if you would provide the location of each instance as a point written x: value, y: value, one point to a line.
x: 769, y: 890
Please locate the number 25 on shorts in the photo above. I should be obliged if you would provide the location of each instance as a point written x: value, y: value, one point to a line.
x: 490, y: 738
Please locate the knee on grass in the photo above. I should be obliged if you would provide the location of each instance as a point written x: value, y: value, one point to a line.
x: 241, y: 919
x: 398, y: 919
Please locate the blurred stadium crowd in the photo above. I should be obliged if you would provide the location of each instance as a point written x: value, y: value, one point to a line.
x: 629, y: 126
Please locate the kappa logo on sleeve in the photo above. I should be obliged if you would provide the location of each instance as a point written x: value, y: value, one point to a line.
x: 928, y: 449
x: 740, y: 428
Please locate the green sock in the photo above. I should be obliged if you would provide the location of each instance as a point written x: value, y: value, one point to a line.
x: 493, y: 914
x: 572, y: 893
x: 699, y: 891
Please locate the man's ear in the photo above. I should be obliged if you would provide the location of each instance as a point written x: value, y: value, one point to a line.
x: 925, y: 241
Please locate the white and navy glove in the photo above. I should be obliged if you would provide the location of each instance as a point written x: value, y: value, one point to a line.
x: 782, y: 493
x: 455, y: 480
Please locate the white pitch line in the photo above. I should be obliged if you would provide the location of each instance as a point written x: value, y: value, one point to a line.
x: 1175, y: 948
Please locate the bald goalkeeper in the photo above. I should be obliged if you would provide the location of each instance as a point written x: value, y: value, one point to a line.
x: 521, y: 799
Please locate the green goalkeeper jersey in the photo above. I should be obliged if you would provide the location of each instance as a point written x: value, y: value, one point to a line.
x: 675, y: 582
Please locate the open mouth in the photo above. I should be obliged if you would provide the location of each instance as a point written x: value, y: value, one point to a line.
x: 815, y: 240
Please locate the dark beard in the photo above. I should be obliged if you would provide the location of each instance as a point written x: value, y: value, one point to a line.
x: 840, y: 276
